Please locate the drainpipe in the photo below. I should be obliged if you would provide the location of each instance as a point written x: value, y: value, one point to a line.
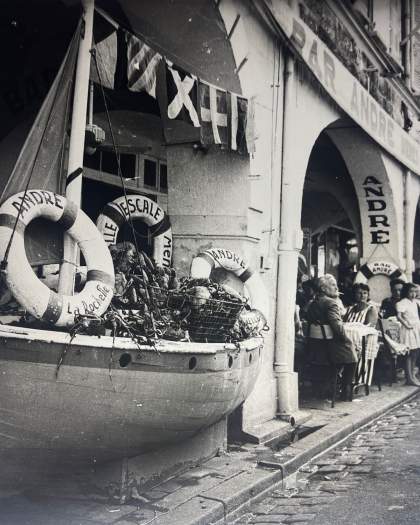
x: 408, y: 240
x: 407, y: 47
x: 288, y: 249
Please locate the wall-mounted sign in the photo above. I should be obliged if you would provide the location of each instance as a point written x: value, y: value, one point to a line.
x: 371, y: 269
x: 376, y: 201
x: 346, y: 90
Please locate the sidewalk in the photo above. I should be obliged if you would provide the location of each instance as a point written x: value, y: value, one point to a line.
x: 223, y: 486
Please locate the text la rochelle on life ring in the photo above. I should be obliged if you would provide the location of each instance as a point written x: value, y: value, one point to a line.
x: 120, y: 210
x: 28, y: 290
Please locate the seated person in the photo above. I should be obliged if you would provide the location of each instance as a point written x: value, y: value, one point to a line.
x: 388, y: 304
x: 362, y: 310
x: 309, y: 289
x: 327, y: 342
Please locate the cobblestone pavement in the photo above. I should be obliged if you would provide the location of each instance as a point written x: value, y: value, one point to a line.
x: 372, y: 478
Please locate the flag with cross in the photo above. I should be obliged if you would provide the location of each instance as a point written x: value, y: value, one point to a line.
x: 224, y: 118
x: 214, y: 115
x: 195, y: 111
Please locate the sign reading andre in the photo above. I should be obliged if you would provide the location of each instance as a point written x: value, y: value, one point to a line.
x: 346, y: 90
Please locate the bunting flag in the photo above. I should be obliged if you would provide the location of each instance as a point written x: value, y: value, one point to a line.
x: 182, y: 96
x: 214, y: 118
x: 106, y: 60
x: 142, y: 64
x: 191, y: 110
x: 239, y: 123
x: 251, y: 132
x: 177, y: 94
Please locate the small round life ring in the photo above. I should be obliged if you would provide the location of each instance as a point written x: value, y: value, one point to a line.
x: 368, y: 270
x: 28, y: 290
x: 119, y: 211
x: 204, y: 262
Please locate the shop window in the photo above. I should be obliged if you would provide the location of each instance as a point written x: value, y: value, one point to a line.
x: 163, y: 184
x: 128, y: 165
x: 109, y: 162
x: 137, y: 170
x: 387, y: 19
x: 106, y: 161
x: 155, y: 174
x: 415, y: 46
x: 150, y: 173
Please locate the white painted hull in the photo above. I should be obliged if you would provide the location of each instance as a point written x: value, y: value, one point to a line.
x: 93, y: 408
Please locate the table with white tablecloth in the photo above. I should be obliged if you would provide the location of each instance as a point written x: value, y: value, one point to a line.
x: 365, y: 340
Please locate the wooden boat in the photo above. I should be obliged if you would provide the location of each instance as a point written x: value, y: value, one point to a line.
x: 111, y: 397
x: 101, y: 397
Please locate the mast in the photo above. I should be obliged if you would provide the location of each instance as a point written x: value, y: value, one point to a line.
x: 76, y: 148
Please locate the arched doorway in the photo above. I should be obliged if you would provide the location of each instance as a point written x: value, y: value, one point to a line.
x: 330, y: 216
x: 377, y: 180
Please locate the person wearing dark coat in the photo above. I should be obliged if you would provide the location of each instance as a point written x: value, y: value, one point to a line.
x: 327, y: 342
x: 388, y: 306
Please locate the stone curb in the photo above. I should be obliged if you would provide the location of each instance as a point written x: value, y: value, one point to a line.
x: 227, y: 499
x: 335, y: 432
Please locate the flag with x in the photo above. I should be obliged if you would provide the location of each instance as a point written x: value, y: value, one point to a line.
x: 178, y: 100
x: 182, y: 96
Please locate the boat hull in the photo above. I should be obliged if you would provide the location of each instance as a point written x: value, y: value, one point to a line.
x: 97, y: 398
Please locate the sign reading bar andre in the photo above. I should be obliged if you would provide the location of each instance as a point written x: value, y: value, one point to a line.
x: 346, y: 90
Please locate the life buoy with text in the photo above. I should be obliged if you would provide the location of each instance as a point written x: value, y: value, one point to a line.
x: 204, y: 262
x: 369, y: 270
x: 119, y: 211
x: 28, y: 290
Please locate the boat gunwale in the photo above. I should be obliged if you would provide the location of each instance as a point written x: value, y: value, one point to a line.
x: 125, y: 343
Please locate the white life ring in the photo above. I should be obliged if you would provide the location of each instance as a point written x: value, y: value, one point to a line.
x: 204, y: 262
x: 28, y: 290
x: 389, y: 269
x: 119, y: 211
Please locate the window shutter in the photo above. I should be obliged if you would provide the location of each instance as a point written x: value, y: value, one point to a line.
x: 395, y: 29
x: 415, y: 42
x: 362, y: 6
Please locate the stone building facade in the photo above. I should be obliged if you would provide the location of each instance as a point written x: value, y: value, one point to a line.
x: 334, y: 87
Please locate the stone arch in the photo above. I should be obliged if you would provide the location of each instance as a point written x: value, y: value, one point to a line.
x: 378, y: 183
x: 330, y: 211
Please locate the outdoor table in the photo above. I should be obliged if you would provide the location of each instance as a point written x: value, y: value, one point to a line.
x: 365, y: 339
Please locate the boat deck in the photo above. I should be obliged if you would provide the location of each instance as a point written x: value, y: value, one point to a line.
x: 123, y: 343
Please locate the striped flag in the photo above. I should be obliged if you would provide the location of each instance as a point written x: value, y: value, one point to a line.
x: 142, y: 64
x: 102, y: 69
x: 239, y: 121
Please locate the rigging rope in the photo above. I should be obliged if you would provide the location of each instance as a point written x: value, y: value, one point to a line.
x: 130, y: 218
